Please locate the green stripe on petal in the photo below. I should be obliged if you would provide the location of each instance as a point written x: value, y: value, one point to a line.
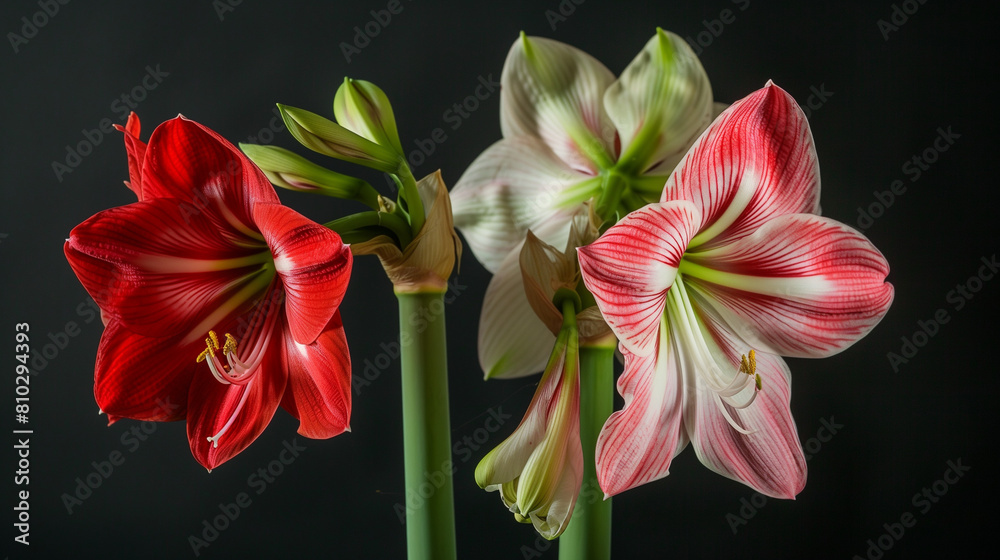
x: 660, y: 104
x: 554, y: 91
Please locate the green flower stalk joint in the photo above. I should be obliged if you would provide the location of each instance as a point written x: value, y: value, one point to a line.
x: 425, y: 264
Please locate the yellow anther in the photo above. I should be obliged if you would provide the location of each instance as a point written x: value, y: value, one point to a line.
x: 211, y: 344
x: 230, y: 346
x: 748, y: 365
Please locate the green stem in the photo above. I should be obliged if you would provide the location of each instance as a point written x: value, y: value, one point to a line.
x: 588, y: 536
x: 430, y: 521
x: 366, y: 194
x: 612, y: 188
x: 373, y: 219
x: 409, y: 192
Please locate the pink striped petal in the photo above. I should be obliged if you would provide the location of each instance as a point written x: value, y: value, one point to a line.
x: 555, y: 92
x: 319, y: 382
x: 668, y: 164
x: 212, y: 405
x: 517, y: 184
x: 801, y: 285
x: 314, y: 266
x: 630, y: 268
x: 770, y: 459
x: 755, y: 162
x: 168, y: 270
x: 506, y: 462
x: 143, y: 378
x: 539, y: 468
x: 189, y: 162
x: 513, y: 341
x: 638, y: 442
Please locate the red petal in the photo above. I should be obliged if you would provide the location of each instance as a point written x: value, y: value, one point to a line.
x: 638, y: 442
x: 187, y: 161
x: 319, y: 383
x: 756, y: 161
x: 212, y: 404
x: 170, y: 269
x: 98, y: 277
x: 801, y: 285
x: 143, y: 378
x: 314, y: 266
x: 136, y: 151
x: 770, y: 460
x: 631, y: 266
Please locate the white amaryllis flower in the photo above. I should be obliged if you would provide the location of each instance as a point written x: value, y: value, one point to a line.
x: 709, y: 287
x: 572, y: 133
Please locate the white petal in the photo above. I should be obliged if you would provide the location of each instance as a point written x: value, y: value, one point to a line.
x: 553, y: 91
x: 660, y: 104
x: 513, y: 341
x: 515, y: 185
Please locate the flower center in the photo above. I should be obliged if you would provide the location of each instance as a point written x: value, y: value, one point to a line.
x: 731, y: 393
x: 241, y: 368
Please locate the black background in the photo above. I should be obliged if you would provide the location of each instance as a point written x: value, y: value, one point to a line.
x: 886, y: 102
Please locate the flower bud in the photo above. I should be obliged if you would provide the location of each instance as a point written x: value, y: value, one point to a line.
x: 291, y: 171
x: 329, y: 138
x: 539, y: 468
x: 364, y: 109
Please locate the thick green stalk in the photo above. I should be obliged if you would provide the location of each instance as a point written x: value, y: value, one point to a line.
x: 430, y: 507
x: 588, y: 536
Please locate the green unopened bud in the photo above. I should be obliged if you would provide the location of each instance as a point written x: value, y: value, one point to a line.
x: 329, y: 138
x: 363, y: 108
x: 291, y: 171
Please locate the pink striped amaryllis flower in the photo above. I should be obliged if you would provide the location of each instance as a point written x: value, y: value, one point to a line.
x: 208, y: 249
x: 708, y: 288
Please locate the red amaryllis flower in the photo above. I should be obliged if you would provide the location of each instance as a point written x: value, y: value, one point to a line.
x: 208, y: 249
x: 706, y: 291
